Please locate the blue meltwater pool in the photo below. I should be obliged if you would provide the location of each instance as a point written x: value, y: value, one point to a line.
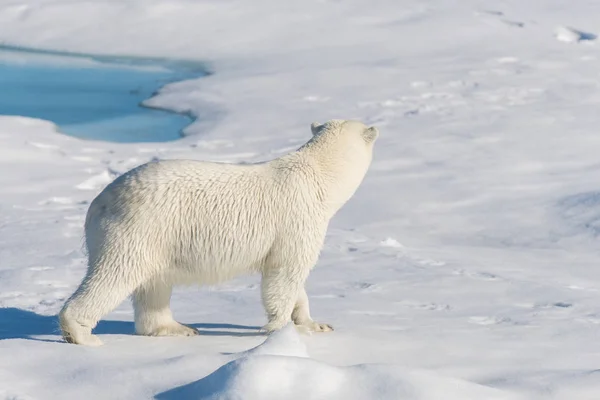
x: 91, y: 97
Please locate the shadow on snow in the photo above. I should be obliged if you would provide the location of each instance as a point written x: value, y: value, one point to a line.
x: 16, y: 323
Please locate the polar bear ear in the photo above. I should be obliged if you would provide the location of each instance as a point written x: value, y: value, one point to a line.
x: 316, y: 127
x: 370, y: 134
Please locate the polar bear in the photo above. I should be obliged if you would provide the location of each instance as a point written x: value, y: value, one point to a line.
x: 174, y: 222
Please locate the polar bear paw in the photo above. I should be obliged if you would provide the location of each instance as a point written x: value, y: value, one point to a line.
x: 170, y: 329
x: 307, y: 327
x: 318, y: 327
x: 312, y: 326
x: 83, y: 339
x: 273, y: 326
x: 75, y: 333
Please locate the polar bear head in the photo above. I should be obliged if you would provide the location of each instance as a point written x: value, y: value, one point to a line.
x: 352, y: 141
x: 343, y: 150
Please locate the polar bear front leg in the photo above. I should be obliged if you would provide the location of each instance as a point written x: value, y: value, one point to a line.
x: 301, y: 315
x: 153, y: 316
x: 279, y: 291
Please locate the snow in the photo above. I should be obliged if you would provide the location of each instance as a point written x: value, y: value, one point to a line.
x: 566, y: 34
x: 467, y: 261
x: 280, y: 368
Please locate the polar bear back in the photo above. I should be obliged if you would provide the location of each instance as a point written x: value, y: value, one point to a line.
x: 221, y: 218
x: 218, y: 220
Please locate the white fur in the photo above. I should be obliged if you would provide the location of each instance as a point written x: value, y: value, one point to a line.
x: 181, y: 221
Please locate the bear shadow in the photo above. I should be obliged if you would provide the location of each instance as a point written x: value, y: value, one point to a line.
x: 220, y: 329
x: 16, y: 323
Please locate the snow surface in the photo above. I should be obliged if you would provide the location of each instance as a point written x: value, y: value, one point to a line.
x: 469, y: 255
x: 280, y: 369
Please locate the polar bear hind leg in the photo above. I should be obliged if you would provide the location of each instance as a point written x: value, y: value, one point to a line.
x: 104, y: 287
x: 153, y: 317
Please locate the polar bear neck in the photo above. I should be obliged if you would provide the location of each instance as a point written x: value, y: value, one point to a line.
x: 336, y: 175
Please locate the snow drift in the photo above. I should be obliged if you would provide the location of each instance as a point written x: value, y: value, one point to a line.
x: 280, y: 368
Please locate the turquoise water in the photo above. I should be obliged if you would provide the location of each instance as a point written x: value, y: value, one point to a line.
x: 91, y: 97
